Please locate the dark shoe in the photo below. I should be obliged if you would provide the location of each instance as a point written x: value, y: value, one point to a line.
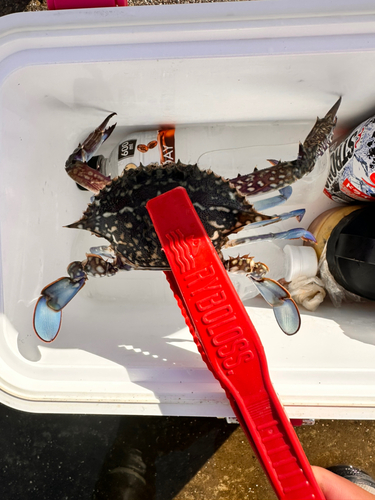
x: 126, y: 481
x: 357, y: 476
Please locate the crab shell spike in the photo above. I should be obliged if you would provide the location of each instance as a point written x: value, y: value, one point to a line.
x: 273, y: 162
x: 46, y: 321
x: 284, y: 308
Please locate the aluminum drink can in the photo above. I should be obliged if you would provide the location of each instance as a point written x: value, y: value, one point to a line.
x: 352, y: 166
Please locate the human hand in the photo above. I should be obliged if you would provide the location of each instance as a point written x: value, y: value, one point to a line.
x: 335, y: 487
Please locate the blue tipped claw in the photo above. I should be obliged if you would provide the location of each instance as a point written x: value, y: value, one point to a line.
x: 54, y: 297
x: 285, y: 309
x: 48, y: 309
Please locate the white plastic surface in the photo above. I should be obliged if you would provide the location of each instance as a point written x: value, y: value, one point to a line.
x: 124, y: 348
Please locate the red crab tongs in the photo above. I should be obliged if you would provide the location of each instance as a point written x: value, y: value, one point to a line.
x: 229, y: 344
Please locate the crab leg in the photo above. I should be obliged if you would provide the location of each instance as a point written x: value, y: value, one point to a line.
x: 284, y: 173
x: 298, y: 214
x: 284, y: 194
x: 55, y: 296
x: 76, y: 165
x: 292, y: 234
x: 284, y: 308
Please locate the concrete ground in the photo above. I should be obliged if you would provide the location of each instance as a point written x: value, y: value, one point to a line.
x: 232, y: 472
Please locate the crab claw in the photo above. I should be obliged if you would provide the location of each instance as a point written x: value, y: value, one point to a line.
x: 284, y: 308
x: 76, y: 165
x: 54, y: 297
x: 48, y: 309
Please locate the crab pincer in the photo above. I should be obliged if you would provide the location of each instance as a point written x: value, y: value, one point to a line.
x: 55, y: 296
x: 76, y: 165
x: 284, y: 308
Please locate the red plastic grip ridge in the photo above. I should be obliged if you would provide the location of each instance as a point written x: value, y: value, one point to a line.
x: 229, y: 344
x: 84, y: 4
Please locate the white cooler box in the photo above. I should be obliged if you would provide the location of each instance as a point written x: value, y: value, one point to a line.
x: 268, y: 68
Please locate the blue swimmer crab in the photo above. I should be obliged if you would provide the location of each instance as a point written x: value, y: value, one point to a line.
x: 118, y: 213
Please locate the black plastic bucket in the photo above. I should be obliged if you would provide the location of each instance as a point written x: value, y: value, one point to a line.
x: 351, y: 252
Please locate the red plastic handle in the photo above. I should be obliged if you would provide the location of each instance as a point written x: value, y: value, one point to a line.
x: 229, y: 344
x: 84, y: 4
